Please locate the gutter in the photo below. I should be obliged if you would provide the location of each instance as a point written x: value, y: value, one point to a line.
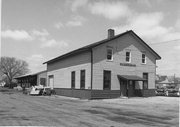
x: 91, y: 68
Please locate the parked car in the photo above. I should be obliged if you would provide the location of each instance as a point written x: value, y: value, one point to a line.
x: 46, y: 91
x: 172, y: 91
x: 160, y: 91
x: 36, y: 90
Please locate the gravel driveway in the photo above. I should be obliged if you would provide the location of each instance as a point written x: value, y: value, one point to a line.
x: 17, y: 109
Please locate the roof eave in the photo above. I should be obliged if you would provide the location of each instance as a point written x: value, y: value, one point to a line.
x: 158, y: 57
x: 67, y: 55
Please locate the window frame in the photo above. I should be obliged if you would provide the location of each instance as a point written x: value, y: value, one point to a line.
x: 143, y: 58
x: 73, y: 80
x: 128, y: 56
x: 104, y: 80
x: 109, y: 48
x: 82, y: 79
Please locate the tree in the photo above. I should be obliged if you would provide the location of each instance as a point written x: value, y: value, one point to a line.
x: 12, y: 67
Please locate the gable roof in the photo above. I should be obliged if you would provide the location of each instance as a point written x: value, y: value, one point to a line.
x: 89, y: 47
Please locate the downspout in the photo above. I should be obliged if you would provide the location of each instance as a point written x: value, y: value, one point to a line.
x: 91, y: 73
x: 91, y: 68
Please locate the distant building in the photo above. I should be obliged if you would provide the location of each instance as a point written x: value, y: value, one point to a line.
x: 164, y: 81
x: 121, y: 65
x: 32, y: 79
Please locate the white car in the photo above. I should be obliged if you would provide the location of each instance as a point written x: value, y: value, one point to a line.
x: 36, y: 90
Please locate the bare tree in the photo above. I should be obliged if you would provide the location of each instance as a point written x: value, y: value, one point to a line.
x: 12, y: 67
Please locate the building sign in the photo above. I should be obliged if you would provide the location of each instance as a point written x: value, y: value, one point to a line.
x: 128, y: 64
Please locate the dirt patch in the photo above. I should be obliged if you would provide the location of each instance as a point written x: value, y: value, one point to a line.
x: 10, y: 117
x: 95, y: 112
x: 131, y: 117
x: 8, y: 92
x: 12, y: 98
x: 3, y: 112
x: 86, y: 124
x: 122, y: 119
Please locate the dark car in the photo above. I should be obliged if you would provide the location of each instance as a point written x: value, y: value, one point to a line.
x: 172, y: 91
x: 160, y: 92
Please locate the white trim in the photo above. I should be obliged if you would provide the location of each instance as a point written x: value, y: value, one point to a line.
x: 143, y: 58
x: 111, y: 52
x: 129, y: 57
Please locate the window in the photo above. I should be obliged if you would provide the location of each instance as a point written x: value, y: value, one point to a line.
x: 128, y: 57
x: 143, y: 58
x: 145, y: 83
x: 107, y: 80
x: 82, y: 80
x: 43, y: 81
x: 73, y: 79
x: 109, y: 54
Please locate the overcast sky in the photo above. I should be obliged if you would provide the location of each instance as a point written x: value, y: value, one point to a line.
x: 38, y: 30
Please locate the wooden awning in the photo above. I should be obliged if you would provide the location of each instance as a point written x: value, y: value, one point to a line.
x: 131, y: 77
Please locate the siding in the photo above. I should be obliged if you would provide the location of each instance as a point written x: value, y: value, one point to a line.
x: 62, y: 70
x: 120, y: 46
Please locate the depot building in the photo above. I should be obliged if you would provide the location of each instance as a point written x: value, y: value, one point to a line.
x: 120, y: 65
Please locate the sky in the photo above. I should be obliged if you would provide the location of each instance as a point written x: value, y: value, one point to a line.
x: 39, y: 30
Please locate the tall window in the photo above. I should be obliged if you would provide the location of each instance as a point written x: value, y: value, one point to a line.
x: 143, y: 58
x: 109, y: 54
x: 82, y: 79
x: 107, y: 80
x: 73, y: 79
x: 145, y: 83
x: 128, y: 57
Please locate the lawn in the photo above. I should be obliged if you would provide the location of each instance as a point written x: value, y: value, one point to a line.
x: 17, y: 109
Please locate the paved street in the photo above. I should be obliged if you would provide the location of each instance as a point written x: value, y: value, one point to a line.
x: 17, y: 109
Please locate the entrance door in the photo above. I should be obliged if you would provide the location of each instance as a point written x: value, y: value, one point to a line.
x: 51, y: 81
x: 123, y: 88
x: 131, y: 90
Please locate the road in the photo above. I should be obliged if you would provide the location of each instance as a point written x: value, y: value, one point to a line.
x: 17, y: 109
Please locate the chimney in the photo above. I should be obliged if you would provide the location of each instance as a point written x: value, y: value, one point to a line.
x: 110, y: 33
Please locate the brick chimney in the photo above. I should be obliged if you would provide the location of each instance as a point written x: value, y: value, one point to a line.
x: 110, y: 33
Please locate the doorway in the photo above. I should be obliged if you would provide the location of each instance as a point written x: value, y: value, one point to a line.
x: 123, y: 88
x: 127, y: 88
x: 131, y: 90
x: 51, y: 81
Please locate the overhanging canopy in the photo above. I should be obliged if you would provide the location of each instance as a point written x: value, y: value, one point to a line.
x: 131, y: 77
x: 28, y: 75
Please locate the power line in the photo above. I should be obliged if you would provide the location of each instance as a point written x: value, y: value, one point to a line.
x: 163, y: 42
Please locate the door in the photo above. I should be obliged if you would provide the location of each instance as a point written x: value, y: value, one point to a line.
x: 107, y: 80
x: 123, y: 88
x: 51, y: 81
x: 131, y: 90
